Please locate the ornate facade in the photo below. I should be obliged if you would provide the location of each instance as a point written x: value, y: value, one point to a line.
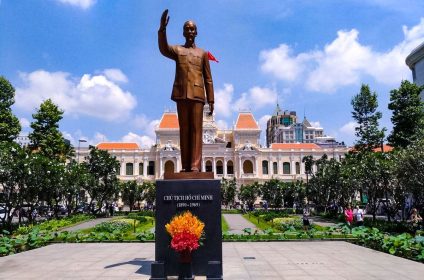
x: 415, y: 61
x: 234, y: 153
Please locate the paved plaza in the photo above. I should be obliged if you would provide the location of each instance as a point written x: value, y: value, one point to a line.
x: 242, y: 260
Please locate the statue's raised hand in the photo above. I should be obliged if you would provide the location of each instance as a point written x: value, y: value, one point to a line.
x: 164, y: 20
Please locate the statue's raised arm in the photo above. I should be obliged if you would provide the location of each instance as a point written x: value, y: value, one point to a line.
x: 164, y: 20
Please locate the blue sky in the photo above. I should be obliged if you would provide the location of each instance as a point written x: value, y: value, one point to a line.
x: 99, y: 60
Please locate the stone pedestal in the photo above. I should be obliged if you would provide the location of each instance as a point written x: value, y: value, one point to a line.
x: 203, y: 199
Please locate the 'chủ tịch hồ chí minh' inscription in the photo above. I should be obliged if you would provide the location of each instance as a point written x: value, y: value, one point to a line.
x: 188, y: 200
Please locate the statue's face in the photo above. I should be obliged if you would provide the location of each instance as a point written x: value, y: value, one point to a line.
x: 190, y: 31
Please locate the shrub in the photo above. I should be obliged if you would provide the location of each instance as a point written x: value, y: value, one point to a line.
x: 113, y: 226
x: 288, y: 223
x: 137, y: 217
x: 55, y: 224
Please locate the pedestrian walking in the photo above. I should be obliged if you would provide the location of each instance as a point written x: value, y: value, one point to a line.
x: 359, y: 216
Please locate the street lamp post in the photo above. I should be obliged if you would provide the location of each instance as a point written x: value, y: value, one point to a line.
x: 79, y: 144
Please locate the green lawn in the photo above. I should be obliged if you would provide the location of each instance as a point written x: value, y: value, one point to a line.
x: 136, y: 227
x: 258, y: 222
x: 224, y: 225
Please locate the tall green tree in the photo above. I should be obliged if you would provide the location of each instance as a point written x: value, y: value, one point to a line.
x: 104, y: 183
x: 75, y: 181
x: 46, y: 137
x: 249, y: 193
x: 410, y: 171
x: 273, y: 192
x: 294, y: 192
x: 131, y: 193
x: 365, y: 113
x: 13, y: 171
x: 9, y: 123
x: 149, y: 193
x: 408, y: 114
x: 309, y: 165
x: 228, y: 191
x: 374, y: 176
x: 325, y: 184
x: 349, y: 186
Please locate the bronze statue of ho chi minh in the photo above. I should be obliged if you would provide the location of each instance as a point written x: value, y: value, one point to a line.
x: 192, y: 79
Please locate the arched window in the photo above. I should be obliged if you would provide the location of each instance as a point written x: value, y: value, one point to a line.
x: 264, y: 167
x: 275, y: 167
x: 230, y: 167
x: 286, y: 168
x: 151, y: 168
x: 208, y: 166
x: 140, y: 168
x: 297, y: 168
x: 129, y: 168
x: 219, y: 168
x: 247, y: 167
x: 169, y: 167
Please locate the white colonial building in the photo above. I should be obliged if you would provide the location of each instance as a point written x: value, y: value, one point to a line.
x: 235, y: 153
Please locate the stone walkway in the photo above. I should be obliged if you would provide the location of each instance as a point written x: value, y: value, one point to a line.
x: 334, y: 260
x: 88, y: 224
x: 317, y: 220
x: 237, y: 223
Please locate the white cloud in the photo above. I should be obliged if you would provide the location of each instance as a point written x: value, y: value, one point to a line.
x: 98, y: 137
x: 262, y: 124
x: 255, y: 98
x: 342, y: 62
x: 25, y: 123
x: 279, y: 63
x: 315, y: 124
x: 150, y: 128
x: 78, y: 135
x: 69, y: 137
x: 142, y: 140
x: 95, y: 96
x: 115, y: 75
x: 348, y: 129
x: 147, y: 128
x: 223, y: 99
x: 222, y: 124
x: 83, y: 4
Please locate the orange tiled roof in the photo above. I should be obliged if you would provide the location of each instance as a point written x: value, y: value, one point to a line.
x: 169, y: 120
x: 246, y: 121
x: 287, y: 146
x: 386, y: 148
x: 117, y: 146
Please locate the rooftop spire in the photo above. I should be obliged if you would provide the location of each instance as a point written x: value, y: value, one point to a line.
x: 277, y: 109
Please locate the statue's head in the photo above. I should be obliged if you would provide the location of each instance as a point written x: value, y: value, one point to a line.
x: 190, y: 30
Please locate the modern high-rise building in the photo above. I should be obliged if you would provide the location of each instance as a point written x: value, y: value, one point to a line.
x: 283, y: 127
x: 415, y: 61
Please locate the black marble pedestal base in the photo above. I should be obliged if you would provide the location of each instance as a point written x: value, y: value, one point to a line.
x: 203, y: 199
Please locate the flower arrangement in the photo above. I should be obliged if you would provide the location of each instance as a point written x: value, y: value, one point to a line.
x: 185, y: 230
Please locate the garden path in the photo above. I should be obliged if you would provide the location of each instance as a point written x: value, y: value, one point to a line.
x: 88, y: 224
x: 237, y: 223
x: 322, y: 221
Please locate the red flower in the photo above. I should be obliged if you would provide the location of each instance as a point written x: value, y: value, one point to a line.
x: 184, y: 241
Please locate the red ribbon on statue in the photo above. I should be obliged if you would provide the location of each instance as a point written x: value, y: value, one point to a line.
x: 211, y: 57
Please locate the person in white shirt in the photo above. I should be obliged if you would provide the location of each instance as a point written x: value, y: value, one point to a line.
x: 359, y: 216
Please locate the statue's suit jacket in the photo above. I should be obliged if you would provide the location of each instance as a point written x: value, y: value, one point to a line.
x: 192, y: 74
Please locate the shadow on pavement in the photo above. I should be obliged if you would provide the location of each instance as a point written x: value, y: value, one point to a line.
x: 142, y: 262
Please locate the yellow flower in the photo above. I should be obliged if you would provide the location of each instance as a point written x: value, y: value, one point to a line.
x: 185, y: 222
